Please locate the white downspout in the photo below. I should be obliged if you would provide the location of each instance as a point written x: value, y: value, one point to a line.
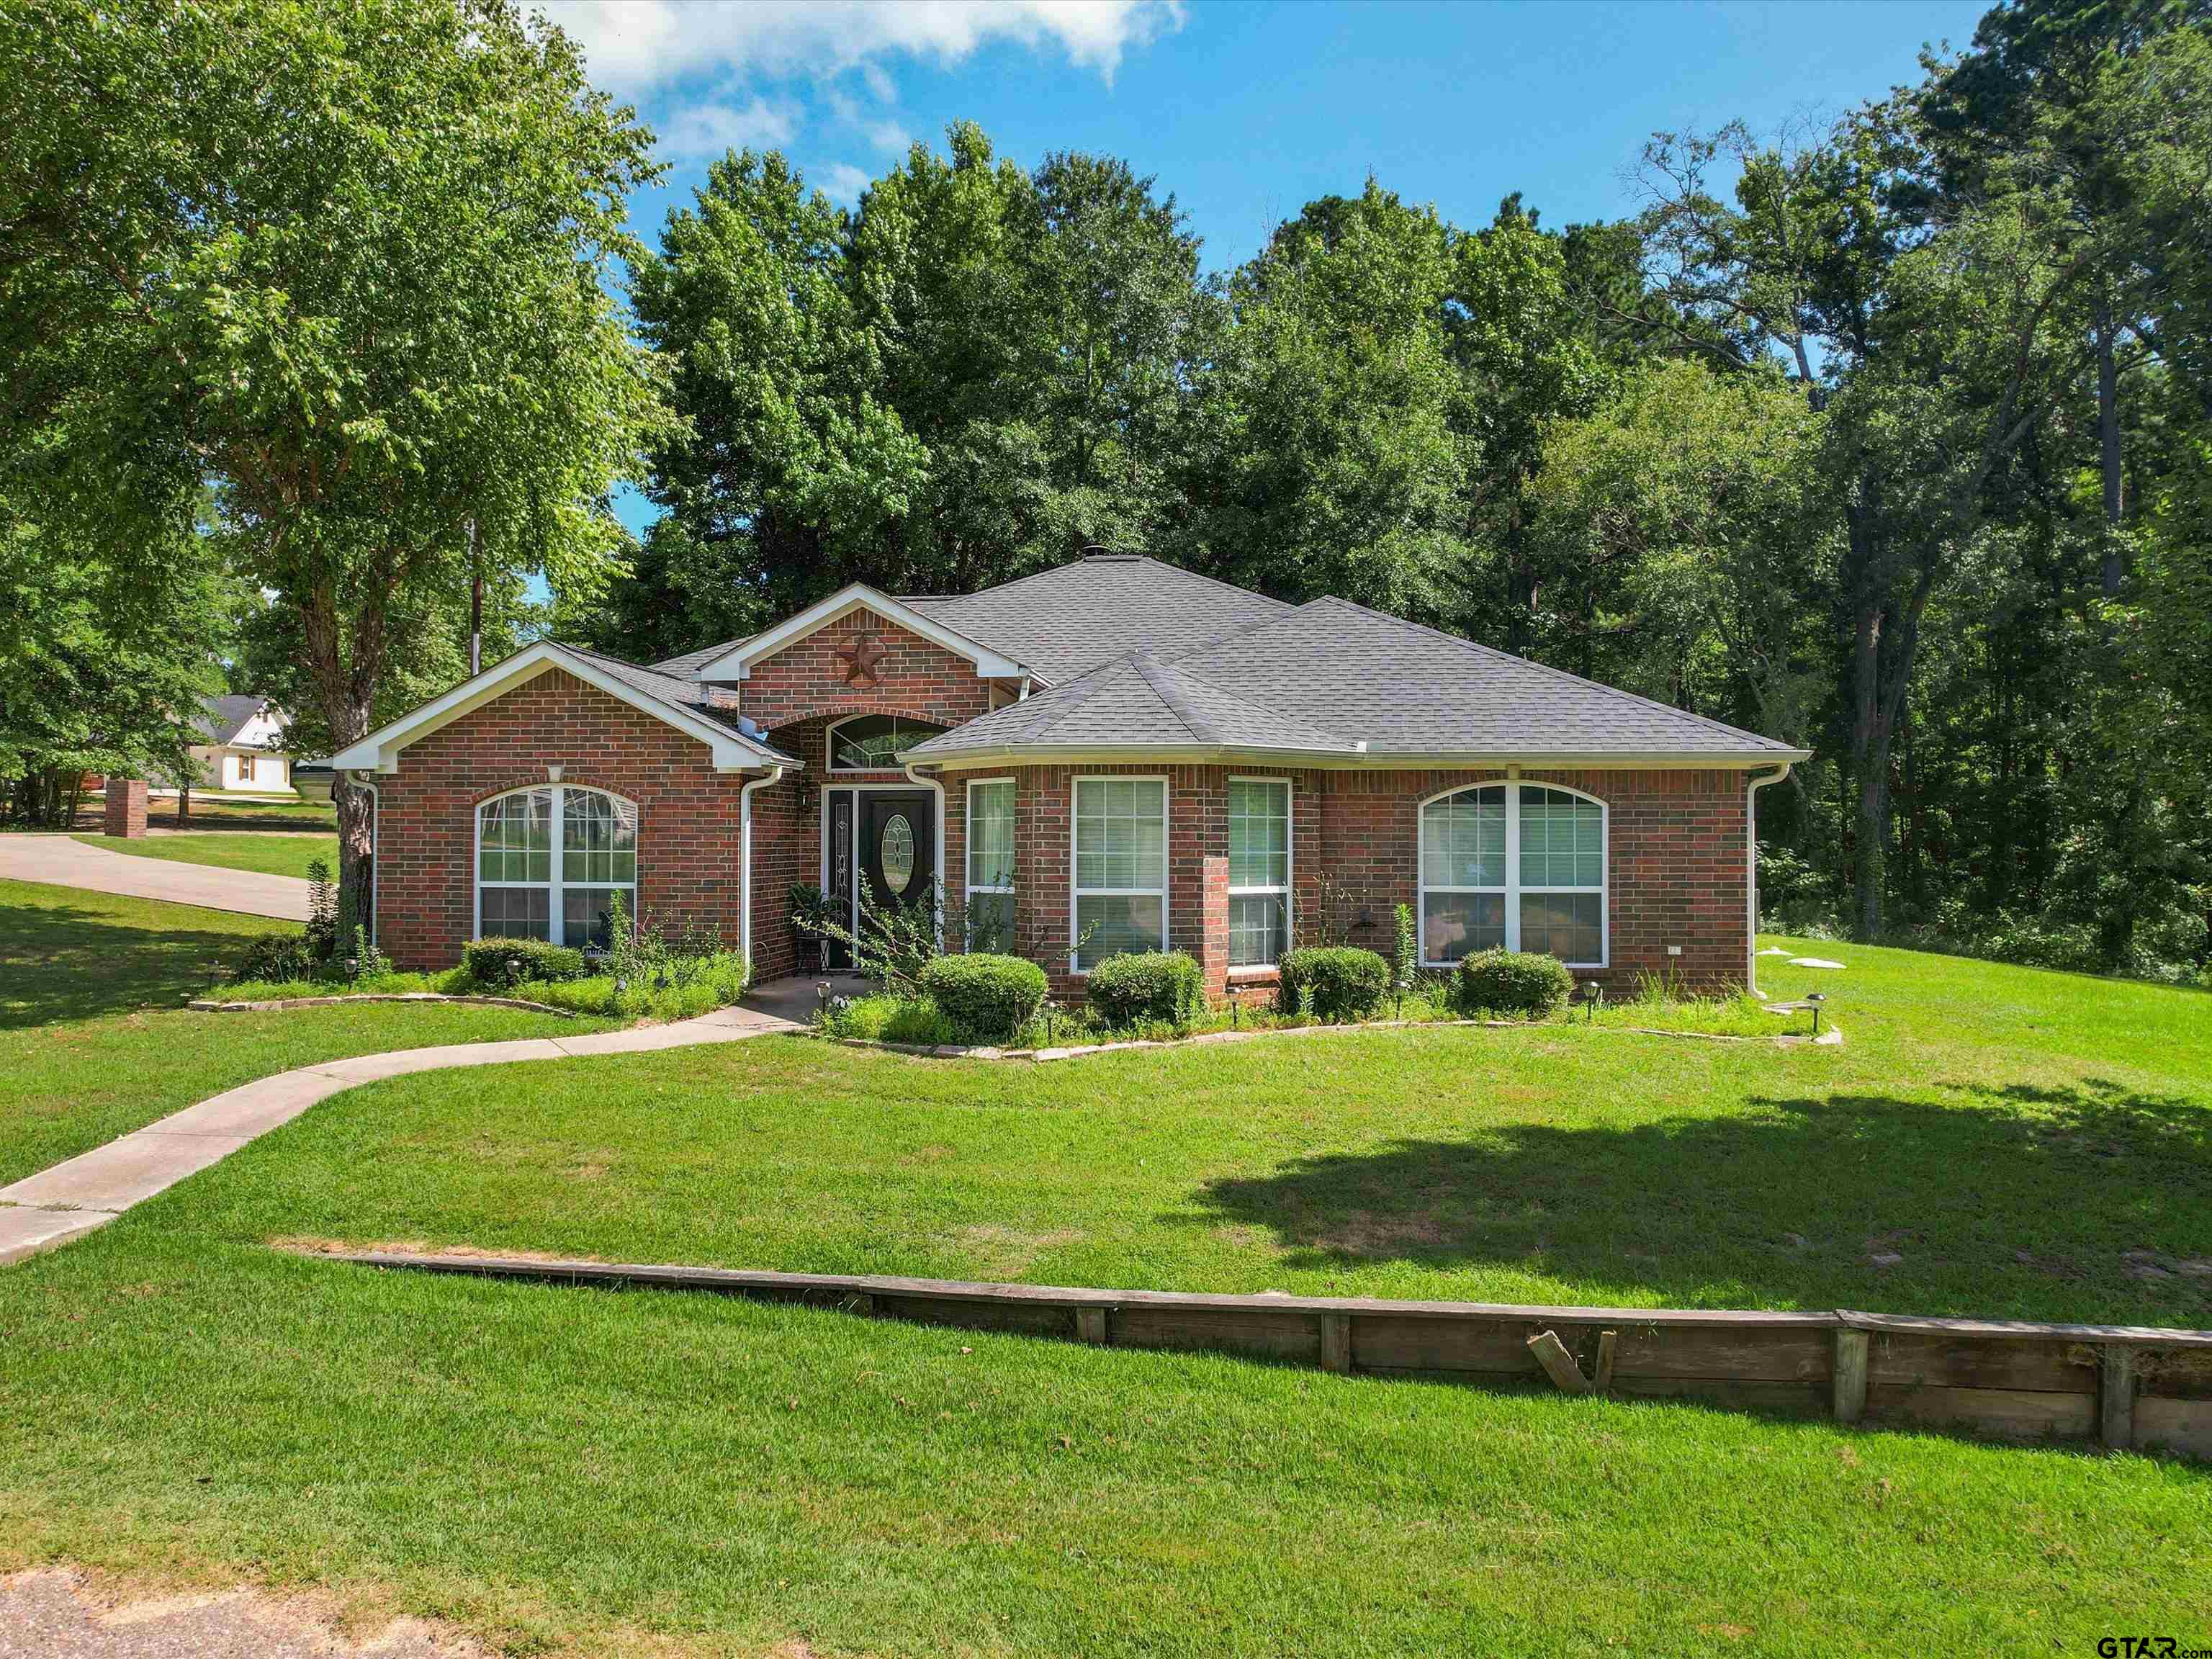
x: 913, y: 777
x: 1750, y: 874
x: 745, y: 863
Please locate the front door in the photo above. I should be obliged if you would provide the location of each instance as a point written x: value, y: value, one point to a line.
x: 888, y: 837
x: 898, y: 844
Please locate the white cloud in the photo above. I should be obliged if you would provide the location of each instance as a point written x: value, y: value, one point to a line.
x: 841, y: 181
x: 708, y: 129
x: 883, y: 133
x: 630, y: 45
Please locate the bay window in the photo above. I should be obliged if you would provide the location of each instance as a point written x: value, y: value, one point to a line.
x: 1516, y: 865
x: 549, y: 861
x: 1120, y: 897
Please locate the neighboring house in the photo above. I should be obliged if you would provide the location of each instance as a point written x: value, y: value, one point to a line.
x: 237, y: 734
x: 1115, y: 753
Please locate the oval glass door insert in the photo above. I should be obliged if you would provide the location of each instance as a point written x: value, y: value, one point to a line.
x: 897, y: 854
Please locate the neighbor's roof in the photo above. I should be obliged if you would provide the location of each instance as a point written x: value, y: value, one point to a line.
x: 221, y: 719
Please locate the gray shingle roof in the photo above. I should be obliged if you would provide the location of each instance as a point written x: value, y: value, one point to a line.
x: 1064, y: 622
x: 1137, y: 701
x: 1137, y: 654
x: 690, y: 696
x: 1405, y: 688
x: 221, y: 719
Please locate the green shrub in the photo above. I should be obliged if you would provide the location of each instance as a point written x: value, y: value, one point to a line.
x: 280, y: 957
x: 1335, y: 982
x: 501, y: 964
x: 988, y: 999
x: 1166, y: 985
x: 1513, y: 982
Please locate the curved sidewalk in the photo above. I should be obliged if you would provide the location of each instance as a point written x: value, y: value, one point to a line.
x: 59, y: 861
x: 91, y: 1190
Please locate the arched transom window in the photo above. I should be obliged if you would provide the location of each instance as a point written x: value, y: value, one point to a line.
x: 1520, y: 866
x: 871, y: 743
x: 550, y: 859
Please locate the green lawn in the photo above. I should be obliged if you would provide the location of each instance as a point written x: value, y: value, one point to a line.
x: 614, y: 1471
x: 93, y: 1042
x: 2013, y: 1135
x: 272, y: 854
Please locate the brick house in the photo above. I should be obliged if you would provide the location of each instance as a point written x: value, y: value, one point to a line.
x: 1114, y: 754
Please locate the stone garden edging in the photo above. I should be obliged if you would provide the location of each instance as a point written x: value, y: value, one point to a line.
x: 208, y: 1005
x: 1830, y: 1038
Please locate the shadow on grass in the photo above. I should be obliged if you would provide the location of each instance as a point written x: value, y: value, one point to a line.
x: 2084, y: 1203
x: 69, y: 963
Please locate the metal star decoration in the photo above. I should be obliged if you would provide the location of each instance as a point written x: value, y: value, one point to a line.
x: 860, y: 655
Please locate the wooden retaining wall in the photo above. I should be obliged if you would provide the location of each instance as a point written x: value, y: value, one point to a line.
x: 2133, y: 1387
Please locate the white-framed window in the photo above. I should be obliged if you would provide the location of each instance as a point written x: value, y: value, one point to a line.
x: 871, y: 743
x: 1120, y: 893
x: 990, y: 864
x: 1259, y: 871
x: 1521, y: 865
x: 548, y: 861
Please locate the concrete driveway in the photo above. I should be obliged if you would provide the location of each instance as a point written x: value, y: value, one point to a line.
x: 61, y: 862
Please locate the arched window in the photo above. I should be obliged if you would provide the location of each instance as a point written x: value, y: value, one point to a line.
x: 548, y: 862
x: 870, y: 743
x: 1521, y: 865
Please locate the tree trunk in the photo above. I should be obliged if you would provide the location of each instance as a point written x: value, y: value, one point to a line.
x: 2108, y: 443
x: 183, y: 798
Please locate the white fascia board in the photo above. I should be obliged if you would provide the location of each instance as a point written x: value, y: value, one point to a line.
x: 1337, y: 759
x: 380, y: 751
x: 738, y: 664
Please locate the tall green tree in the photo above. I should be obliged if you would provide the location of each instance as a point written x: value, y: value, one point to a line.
x: 351, y: 265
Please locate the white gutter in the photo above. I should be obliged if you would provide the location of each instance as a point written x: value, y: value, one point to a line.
x: 746, y: 862
x: 1349, y: 759
x: 912, y: 777
x: 1751, y: 873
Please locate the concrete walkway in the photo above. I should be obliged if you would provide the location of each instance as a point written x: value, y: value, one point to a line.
x: 91, y: 1190
x: 61, y: 862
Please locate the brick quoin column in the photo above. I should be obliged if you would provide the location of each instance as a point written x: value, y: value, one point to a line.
x: 1214, y: 956
x: 125, y: 814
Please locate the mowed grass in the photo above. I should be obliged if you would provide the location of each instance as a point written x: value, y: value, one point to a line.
x: 95, y: 1042
x: 599, y: 1471
x: 2017, y: 1141
x: 271, y: 854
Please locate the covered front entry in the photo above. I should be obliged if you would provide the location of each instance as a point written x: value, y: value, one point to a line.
x: 887, y: 836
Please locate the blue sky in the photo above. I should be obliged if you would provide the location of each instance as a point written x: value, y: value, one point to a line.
x: 1246, y: 111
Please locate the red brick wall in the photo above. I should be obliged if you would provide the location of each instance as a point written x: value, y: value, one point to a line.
x: 1675, y: 860
x: 123, y: 811
x: 688, y: 823
x: 913, y: 677
x: 1675, y: 855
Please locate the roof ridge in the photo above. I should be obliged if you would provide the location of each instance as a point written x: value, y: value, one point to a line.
x: 1491, y: 651
x: 1177, y: 702
x: 1183, y: 670
x: 1082, y: 696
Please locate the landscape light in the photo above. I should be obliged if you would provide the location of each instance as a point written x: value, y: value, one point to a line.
x: 1813, y: 1000
x: 1593, y: 994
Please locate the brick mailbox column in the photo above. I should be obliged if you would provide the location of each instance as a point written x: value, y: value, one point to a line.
x: 125, y: 813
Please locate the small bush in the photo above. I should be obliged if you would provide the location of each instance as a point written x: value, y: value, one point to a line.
x: 1513, y: 982
x: 280, y: 957
x: 987, y: 998
x: 1165, y: 986
x: 1336, y: 982
x: 501, y: 964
